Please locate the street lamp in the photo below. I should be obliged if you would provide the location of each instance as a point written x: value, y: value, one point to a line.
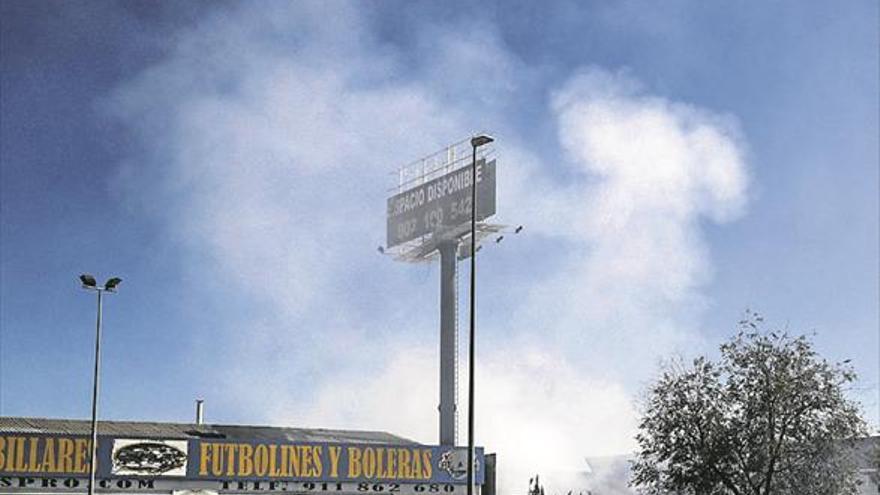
x: 476, y: 142
x: 89, y: 283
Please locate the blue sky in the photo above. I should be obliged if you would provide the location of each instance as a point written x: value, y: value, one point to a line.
x: 672, y: 164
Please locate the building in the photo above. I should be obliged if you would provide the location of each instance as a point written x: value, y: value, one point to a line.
x: 867, y: 452
x: 50, y: 456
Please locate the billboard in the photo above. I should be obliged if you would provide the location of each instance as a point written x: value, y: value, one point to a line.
x: 440, y: 204
x: 40, y: 463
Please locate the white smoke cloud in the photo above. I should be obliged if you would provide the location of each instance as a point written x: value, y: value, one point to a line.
x: 539, y: 413
x: 649, y: 172
x: 268, y: 157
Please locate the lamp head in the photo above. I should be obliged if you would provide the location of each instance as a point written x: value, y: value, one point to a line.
x: 111, y: 284
x: 480, y: 140
x: 88, y: 281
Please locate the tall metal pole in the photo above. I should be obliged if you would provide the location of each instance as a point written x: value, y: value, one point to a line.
x: 470, y: 452
x: 94, y: 444
x: 476, y: 141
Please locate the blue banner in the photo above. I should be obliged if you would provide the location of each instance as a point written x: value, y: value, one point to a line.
x: 235, y: 460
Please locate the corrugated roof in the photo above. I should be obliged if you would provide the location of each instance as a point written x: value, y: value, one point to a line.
x: 143, y: 429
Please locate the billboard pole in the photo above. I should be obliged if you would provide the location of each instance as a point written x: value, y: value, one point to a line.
x: 448, y: 342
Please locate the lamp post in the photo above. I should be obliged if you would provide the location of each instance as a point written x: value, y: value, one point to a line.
x: 476, y: 142
x: 88, y: 283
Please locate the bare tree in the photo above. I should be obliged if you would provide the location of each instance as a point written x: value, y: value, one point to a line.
x: 770, y: 417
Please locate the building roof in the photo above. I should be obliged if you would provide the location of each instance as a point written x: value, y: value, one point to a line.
x: 182, y: 431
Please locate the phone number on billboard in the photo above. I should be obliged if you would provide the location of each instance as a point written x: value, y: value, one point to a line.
x: 342, y: 488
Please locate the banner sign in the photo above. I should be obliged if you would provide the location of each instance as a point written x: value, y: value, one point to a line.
x: 61, y: 461
x: 442, y: 203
